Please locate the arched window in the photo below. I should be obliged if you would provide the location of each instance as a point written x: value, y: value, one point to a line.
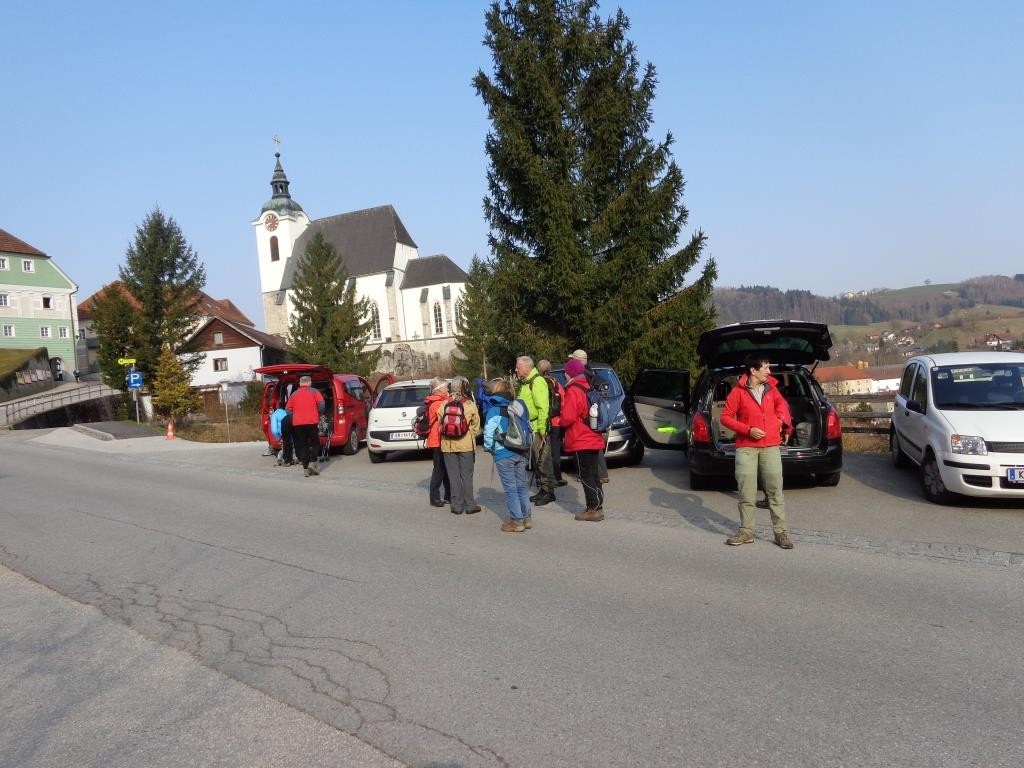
x: 275, y: 254
x: 438, y: 320
x: 458, y: 314
x: 374, y: 322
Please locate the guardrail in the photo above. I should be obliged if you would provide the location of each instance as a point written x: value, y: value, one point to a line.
x: 26, y: 407
x: 866, y: 414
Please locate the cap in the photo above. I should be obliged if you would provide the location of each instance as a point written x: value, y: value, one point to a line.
x: 579, y: 354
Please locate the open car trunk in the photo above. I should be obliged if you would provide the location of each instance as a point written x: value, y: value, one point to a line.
x: 804, y: 407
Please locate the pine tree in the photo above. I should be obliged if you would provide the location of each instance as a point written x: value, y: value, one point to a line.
x: 477, y: 324
x: 113, y: 321
x: 330, y: 326
x: 172, y: 392
x: 165, y: 277
x: 585, y: 210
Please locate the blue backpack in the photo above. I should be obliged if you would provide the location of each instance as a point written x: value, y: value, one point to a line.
x: 600, y: 411
x: 519, y: 434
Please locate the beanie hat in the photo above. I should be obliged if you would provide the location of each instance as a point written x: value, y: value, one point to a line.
x: 579, y: 354
x: 573, y: 368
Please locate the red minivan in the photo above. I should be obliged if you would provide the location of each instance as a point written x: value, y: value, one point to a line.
x: 347, y: 398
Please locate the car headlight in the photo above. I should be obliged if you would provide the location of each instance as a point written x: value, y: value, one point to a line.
x: 968, y: 444
x: 620, y: 420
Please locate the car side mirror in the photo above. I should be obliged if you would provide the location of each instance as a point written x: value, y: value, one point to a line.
x: 915, y: 405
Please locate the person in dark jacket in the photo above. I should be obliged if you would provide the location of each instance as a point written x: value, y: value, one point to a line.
x: 305, y: 406
x: 759, y: 415
x: 580, y: 439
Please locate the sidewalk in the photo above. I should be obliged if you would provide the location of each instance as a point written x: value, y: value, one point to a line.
x: 78, y: 688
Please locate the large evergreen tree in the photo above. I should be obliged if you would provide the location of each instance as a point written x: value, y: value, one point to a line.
x: 113, y: 321
x: 164, y: 275
x: 330, y: 326
x: 478, y: 322
x: 585, y: 210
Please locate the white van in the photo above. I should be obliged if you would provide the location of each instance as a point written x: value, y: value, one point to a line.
x: 959, y: 416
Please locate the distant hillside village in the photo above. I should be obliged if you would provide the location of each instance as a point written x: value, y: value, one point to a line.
x: 415, y: 301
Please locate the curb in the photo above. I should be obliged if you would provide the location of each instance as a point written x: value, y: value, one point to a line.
x: 92, y: 432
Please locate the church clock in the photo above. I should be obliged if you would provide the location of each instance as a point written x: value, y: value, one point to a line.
x: 270, y: 222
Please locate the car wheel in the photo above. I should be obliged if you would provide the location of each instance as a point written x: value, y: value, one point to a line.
x: 636, y: 452
x: 699, y: 482
x: 829, y: 479
x: 931, y: 481
x: 351, y: 446
x: 377, y: 458
x: 899, y: 458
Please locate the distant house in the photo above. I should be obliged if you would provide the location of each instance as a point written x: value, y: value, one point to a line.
x: 37, y: 307
x: 884, y: 378
x: 231, y: 350
x: 843, y: 380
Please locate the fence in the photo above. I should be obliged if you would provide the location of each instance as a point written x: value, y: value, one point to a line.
x: 26, y: 407
x: 867, y: 414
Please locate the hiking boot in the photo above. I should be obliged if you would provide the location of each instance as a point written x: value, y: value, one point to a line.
x: 473, y: 510
x: 312, y: 470
x: 436, y: 503
x: 782, y: 539
x: 527, y: 523
x: 595, y: 515
x: 537, y: 495
x: 543, y: 498
x: 742, y: 536
x: 513, y: 526
x: 561, y: 483
x: 306, y: 472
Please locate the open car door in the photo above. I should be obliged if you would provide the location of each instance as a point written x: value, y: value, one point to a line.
x: 385, y: 380
x: 661, y: 402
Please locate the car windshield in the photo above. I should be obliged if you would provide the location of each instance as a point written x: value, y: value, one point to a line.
x: 402, y: 397
x: 994, y: 386
x: 611, y: 386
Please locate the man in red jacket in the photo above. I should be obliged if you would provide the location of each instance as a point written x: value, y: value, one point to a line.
x: 305, y: 407
x: 580, y: 439
x: 757, y: 412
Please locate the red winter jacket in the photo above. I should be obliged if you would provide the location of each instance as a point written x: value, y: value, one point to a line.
x: 434, y: 402
x: 742, y: 411
x: 576, y: 432
x: 305, y: 406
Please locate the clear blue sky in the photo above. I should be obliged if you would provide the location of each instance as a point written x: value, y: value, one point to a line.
x: 826, y: 146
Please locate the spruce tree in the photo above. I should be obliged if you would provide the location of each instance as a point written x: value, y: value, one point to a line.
x: 585, y: 210
x: 172, y: 392
x: 478, y: 322
x: 330, y: 326
x: 164, y: 275
x: 113, y: 321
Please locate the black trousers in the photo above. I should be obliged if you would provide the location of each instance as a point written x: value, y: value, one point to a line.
x: 439, y: 477
x: 287, y: 439
x: 555, y: 441
x: 586, y: 463
x: 307, y: 442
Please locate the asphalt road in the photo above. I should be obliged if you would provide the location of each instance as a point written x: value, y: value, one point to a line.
x: 167, y: 603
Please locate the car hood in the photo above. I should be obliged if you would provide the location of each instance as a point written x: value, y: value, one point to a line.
x: 289, y: 371
x: 1000, y: 426
x: 781, y: 341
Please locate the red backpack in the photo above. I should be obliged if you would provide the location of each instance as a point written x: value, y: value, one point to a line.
x: 454, y: 423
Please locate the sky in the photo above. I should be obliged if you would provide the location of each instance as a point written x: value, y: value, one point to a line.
x: 826, y: 146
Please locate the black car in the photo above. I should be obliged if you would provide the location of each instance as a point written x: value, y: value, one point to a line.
x: 669, y: 415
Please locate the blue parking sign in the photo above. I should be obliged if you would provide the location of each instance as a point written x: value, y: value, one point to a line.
x: 134, y: 380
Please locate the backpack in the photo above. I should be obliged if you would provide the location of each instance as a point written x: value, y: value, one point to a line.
x: 454, y: 423
x: 421, y: 422
x: 554, y: 397
x: 519, y: 435
x: 600, y: 412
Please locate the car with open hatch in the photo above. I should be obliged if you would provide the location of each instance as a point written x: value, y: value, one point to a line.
x: 668, y: 414
x: 959, y: 418
x: 347, y: 399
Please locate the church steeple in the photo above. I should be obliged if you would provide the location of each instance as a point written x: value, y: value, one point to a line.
x: 281, y: 201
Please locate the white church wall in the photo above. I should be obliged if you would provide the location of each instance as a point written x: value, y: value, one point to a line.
x: 403, y: 253
x: 289, y: 227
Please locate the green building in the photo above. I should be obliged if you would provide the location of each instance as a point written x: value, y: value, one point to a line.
x: 37, y: 307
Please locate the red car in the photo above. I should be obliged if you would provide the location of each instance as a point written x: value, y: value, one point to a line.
x: 347, y: 398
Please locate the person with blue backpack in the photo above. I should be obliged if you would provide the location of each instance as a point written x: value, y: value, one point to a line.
x: 582, y: 440
x: 507, y: 437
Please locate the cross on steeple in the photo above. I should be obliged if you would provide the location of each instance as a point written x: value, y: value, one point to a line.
x: 277, y: 143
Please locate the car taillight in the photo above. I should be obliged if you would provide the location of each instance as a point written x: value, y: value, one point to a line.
x: 699, y: 429
x: 341, y: 413
x: 832, y: 429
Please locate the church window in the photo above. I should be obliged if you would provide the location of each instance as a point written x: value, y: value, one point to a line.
x: 374, y: 321
x: 458, y: 313
x: 438, y: 322
x: 275, y: 253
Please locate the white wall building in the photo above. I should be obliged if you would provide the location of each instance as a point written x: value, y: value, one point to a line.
x: 414, y: 300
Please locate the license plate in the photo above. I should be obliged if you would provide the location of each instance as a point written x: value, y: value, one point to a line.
x: 408, y: 436
x: 1015, y: 475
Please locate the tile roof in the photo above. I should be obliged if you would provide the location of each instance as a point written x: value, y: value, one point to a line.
x: 365, y: 240
x: 839, y: 373
x: 10, y: 244
x: 432, y: 270
x: 208, y: 305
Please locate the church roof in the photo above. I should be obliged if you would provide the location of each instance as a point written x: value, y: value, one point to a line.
x: 365, y: 240
x: 11, y: 244
x: 432, y: 270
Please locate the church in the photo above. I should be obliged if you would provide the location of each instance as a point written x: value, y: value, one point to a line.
x: 414, y: 300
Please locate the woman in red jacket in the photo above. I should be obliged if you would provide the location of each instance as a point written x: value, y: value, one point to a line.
x: 438, y: 474
x: 579, y: 438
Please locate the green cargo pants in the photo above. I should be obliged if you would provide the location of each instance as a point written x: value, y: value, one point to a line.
x: 768, y: 463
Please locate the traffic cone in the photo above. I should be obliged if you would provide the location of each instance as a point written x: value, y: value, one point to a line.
x: 170, y: 430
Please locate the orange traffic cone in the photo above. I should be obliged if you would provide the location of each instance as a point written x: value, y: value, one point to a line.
x: 170, y: 430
